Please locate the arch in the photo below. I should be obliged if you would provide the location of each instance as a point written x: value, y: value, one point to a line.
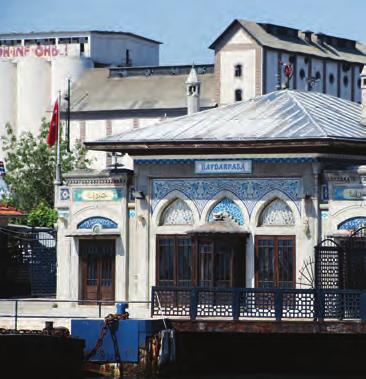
x: 225, y: 194
x: 177, y: 213
x: 353, y: 223
x: 91, y: 222
x: 169, y: 198
x: 228, y: 206
x: 267, y: 199
x: 276, y: 213
x: 238, y: 70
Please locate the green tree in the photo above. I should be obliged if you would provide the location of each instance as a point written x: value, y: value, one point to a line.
x: 30, y: 172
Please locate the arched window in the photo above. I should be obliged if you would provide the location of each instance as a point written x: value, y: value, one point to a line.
x: 230, y: 208
x: 177, y: 213
x: 238, y: 95
x: 277, y: 212
x: 353, y: 223
x: 238, y: 71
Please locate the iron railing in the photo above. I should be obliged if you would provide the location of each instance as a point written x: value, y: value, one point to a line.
x: 252, y: 303
x: 17, y: 309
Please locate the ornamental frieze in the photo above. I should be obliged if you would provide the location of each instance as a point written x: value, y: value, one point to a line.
x: 249, y: 191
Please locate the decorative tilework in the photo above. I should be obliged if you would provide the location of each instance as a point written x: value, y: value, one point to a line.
x: 177, y: 213
x: 131, y: 213
x: 190, y: 161
x: 324, y: 215
x: 352, y: 223
x: 104, y: 222
x: 249, y: 191
x: 229, y: 207
x: 277, y: 212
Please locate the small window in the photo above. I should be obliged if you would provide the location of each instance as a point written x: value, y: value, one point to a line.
x: 331, y: 78
x: 346, y: 66
x: 82, y: 49
x: 364, y: 82
x: 292, y: 59
x: 302, y: 74
x: 318, y: 75
x: 359, y: 83
x: 238, y: 71
x: 238, y: 95
x: 306, y: 60
x: 345, y: 81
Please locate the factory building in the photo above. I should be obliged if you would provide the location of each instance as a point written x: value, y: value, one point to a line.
x: 35, y: 66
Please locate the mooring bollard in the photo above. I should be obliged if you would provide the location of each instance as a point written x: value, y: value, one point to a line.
x: 121, y: 308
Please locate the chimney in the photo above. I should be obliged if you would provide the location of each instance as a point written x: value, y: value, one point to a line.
x: 193, y: 86
x: 363, y: 96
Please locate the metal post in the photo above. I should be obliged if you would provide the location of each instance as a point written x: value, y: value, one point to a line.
x: 194, y: 303
x: 100, y: 309
x: 278, y: 304
x: 16, y: 315
x: 363, y: 306
x: 68, y: 98
x: 236, y: 304
x: 58, y: 161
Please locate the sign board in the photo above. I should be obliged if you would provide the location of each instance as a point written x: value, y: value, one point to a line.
x: 39, y: 51
x: 97, y: 194
x: 240, y: 166
x: 349, y: 193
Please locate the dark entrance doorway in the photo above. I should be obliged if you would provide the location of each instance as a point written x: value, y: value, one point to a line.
x: 202, y: 260
x: 97, y: 258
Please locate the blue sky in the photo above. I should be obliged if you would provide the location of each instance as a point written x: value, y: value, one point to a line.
x: 186, y: 27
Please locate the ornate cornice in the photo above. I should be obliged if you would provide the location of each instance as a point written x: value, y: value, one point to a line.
x: 94, y: 181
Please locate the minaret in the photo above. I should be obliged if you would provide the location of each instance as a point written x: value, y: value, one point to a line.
x: 193, y: 86
x: 363, y: 96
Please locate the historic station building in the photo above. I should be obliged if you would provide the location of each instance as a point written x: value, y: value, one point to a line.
x: 232, y: 197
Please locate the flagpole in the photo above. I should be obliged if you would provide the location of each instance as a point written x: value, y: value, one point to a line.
x: 58, y: 161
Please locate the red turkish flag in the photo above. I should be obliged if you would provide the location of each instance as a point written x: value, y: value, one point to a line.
x: 53, y: 129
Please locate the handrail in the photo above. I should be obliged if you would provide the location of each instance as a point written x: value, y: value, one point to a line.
x: 54, y: 315
x: 275, y: 303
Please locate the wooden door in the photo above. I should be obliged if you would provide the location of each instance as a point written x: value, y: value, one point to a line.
x: 97, y: 269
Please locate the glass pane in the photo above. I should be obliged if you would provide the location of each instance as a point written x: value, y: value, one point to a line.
x: 265, y: 263
x: 166, y: 262
x: 184, y: 262
x: 205, y: 265
x: 107, y: 271
x: 285, y: 263
x: 92, y: 271
x: 222, y: 266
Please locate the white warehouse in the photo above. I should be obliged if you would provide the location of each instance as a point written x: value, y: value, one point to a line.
x: 35, y: 66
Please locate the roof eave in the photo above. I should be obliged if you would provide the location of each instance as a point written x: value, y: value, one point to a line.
x: 167, y: 147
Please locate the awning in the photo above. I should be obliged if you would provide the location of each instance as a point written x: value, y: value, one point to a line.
x: 221, y: 224
x: 91, y: 234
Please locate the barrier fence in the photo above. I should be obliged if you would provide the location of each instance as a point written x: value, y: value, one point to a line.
x: 242, y: 303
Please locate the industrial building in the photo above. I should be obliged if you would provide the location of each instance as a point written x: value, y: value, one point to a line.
x: 34, y: 67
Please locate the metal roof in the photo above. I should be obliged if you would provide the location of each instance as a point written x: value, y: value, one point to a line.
x: 74, y: 33
x: 298, y: 43
x: 280, y: 115
x: 96, y: 91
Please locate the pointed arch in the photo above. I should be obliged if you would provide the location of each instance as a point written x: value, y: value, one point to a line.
x: 227, y: 206
x: 177, y: 213
x: 168, y: 200
x: 220, y: 196
x: 276, y: 213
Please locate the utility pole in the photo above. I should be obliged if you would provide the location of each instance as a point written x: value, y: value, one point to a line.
x: 68, y: 99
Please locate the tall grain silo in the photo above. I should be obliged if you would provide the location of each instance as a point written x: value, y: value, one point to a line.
x: 33, y: 93
x: 8, y: 82
x: 64, y: 67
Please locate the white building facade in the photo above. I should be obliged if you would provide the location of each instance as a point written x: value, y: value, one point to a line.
x: 34, y: 67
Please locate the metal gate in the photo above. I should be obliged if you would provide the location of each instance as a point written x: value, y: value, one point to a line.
x: 355, y: 260
x: 27, y: 261
x: 329, y: 262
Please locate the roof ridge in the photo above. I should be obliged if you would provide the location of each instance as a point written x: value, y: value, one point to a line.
x: 291, y: 93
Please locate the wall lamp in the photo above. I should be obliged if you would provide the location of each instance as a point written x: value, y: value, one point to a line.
x: 138, y: 195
